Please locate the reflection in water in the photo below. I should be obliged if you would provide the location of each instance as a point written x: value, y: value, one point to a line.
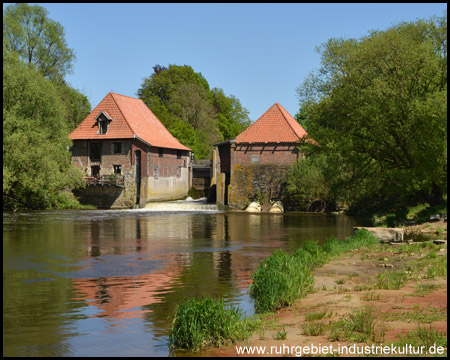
x: 106, y: 283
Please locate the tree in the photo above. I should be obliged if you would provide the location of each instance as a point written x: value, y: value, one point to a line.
x: 378, y: 108
x: 232, y: 116
x: 196, y: 115
x: 306, y: 185
x: 39, y: 41
x: 76, y: 103
x: 36, y: 157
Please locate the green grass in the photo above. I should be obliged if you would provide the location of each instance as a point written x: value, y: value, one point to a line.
x: 283, y: 278
x: 205, y: 322
x: 316, y: 315
x: 360, y: 326
x: 314, y: 329
x: 424, y: 335
x: 389, y: 280
x: 281, y: 334
x: 423, y: 289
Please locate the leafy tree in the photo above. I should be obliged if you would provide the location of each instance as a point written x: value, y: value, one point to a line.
x: 378, y: 109
x: 194, y: 114
x: 306, y: 186
x: 38, y: 40
x: 36, y: 160
x: 76, y: 103
x: 232, y: 116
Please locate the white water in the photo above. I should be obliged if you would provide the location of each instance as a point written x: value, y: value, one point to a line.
x: 188, y: 204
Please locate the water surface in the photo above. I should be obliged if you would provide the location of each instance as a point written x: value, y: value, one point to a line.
x: 106, y: 283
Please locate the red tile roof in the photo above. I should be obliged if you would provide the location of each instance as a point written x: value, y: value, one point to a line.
x: 276, y: 125
x: 131, y: 118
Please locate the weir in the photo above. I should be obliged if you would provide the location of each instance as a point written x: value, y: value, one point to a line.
x: 188, y: 204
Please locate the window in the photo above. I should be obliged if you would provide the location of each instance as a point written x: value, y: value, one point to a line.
x: 178, y: 171
x: 178, y: 154
x: 117, y: 148
x: 161, y: 152
x: 103, y: 122
x: 95, y: 170
x: 95, y: 151
x: 102, y: 127
x: 117, y: 169
x: 255, y: 159
x: 155, y: 172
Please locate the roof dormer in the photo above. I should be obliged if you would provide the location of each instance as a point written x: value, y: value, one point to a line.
x: 102, y: 120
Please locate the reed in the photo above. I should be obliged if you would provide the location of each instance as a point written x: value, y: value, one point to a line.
x: 200, y: 323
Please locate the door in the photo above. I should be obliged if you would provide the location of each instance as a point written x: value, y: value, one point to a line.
x: 138, y: 176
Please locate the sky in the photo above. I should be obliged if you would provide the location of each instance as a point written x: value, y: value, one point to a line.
x: 260, y: 53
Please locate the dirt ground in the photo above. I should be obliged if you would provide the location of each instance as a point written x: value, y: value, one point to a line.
x: 345, y: 285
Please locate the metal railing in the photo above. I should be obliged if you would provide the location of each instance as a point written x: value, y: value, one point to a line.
x: 114, y: 180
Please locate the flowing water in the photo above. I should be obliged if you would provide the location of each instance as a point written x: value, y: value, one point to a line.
x: 106, y: 283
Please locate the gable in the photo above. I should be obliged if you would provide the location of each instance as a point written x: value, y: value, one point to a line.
x: 276, y: 125
x: 126, y: 118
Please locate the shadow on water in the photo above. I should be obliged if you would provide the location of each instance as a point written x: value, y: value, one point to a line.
x: 106, y: 283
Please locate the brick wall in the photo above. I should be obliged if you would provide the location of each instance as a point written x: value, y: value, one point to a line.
x: 280, y: 154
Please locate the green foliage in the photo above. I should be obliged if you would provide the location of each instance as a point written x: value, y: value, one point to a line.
x: 38, y: 40
x: 36, y: 158
x: 306, y: 184
x: 232, y: 116
x: 77, y: 104
x: 378, y: 109
x: 194, y: 114
x: 199, y: 323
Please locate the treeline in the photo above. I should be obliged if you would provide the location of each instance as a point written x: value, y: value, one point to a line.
x: 377, y: 107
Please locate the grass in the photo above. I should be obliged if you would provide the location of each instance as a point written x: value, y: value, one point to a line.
x: 283, y: 278
x: 314, y: 329
x: 281, y: 334
x: 360, y: 326
x: 424, y: 335
x: 389, y: 280
x: 316, y: 315
x: 423, y: 289
x: 200, y: 323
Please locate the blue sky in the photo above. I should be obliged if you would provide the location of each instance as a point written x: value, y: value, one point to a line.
x: 260, y: 53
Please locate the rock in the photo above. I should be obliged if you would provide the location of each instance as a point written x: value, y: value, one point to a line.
x: 277, y: 207
x: 189, y: 199
x: 253, y: 207
x: 385, y: 235
x: 440, y: 242
x: 435, y: 218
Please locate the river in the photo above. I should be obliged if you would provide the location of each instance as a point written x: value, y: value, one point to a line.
x: 106, y: 282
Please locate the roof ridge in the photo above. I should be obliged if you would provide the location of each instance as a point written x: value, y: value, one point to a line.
x: 124, y: 117
x: 287, y: 120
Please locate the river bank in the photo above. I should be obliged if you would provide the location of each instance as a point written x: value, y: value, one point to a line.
x: 390, y: 295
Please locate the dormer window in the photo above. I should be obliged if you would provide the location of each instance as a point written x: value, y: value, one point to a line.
x: 103, y: 120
